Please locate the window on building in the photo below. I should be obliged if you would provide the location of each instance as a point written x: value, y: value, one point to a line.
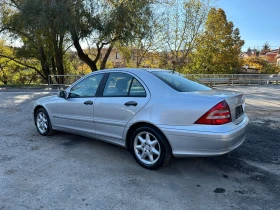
x: 117, y: 55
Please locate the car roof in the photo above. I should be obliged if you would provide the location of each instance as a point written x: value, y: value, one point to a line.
x: 133, y: 69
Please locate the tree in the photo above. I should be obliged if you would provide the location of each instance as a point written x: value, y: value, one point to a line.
x: 106, y: 23
x: 220, y: 46
x: 261, y: 64
x: 143, y: 51
x: 266, y: 47
x: 183, y: 25
x: 11, y: 72
x: 40, y: 27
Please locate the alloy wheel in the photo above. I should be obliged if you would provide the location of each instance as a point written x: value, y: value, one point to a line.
x: 42, y: 122
x: 147, y: 148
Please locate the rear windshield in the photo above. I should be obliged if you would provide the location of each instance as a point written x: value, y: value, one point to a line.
x: 179, y: 82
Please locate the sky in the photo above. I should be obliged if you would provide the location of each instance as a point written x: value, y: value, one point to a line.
x: 257, y: 20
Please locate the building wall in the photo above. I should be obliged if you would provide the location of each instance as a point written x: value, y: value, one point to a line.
x: 278, y: 62
x: 115, y: 56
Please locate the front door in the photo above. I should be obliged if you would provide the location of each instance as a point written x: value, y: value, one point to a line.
x: 122, y: 98
x: 76, y: 111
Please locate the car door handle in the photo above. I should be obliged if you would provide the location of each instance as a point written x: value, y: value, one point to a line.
x: 88, y: 103
x: 131, y: 103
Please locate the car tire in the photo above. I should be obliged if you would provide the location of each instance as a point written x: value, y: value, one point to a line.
x: 43, y: 123
x: 150, y: 148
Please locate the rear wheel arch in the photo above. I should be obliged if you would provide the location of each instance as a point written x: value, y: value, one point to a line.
x: 133, y: 127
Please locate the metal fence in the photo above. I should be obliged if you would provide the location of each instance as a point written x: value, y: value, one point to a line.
x: 231, y: 79
x: 209, y: 79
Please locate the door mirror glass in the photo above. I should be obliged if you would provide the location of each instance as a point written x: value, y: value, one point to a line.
x: 63, y: 94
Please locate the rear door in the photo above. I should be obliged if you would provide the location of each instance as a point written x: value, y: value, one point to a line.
x: 76, y: 111
x: 123, y: 96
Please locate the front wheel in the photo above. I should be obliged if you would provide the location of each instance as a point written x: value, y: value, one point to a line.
x: 43, y: 123
x: 150, y: 148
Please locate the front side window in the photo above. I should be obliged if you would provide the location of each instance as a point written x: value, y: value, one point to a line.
x: 123, y: 85
x: 179, y: 82
x: 87, y: 87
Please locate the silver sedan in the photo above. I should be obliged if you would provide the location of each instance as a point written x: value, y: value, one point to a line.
x: 154, y: 113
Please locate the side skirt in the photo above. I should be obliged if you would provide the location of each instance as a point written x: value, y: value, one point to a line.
x: 118, y: 142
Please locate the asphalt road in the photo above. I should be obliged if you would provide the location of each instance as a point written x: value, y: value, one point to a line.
x: 66, y: 171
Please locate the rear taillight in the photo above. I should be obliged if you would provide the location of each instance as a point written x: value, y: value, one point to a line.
x: 218, y: 115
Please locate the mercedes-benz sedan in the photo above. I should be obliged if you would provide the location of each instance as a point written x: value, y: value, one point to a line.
x: 155, y: 113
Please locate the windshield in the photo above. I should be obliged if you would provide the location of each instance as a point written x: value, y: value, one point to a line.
x: 179, y: 82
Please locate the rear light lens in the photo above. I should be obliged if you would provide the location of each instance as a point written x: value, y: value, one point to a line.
x: 218, y: 115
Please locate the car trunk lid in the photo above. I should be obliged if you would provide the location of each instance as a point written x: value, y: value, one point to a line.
x: 235, y: 101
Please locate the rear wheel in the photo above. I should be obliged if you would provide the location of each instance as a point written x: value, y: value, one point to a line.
x: 150, y: 148
x: 43, y: 123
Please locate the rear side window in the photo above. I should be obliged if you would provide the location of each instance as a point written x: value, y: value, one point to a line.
x: 137, y: 89
x: 179, y: 82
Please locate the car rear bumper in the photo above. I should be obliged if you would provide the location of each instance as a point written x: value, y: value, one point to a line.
x: 202, y: 142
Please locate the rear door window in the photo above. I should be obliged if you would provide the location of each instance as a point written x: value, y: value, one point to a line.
x: 117, y: 84
x: 123, y: 85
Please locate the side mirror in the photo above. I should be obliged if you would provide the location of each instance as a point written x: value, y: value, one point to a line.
x: 63, y: 94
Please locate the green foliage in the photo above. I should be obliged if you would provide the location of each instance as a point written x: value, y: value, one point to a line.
x: 189, y: 36
x: 184, y: 24
x: 106, y: 23
x: 219, y: 46
x: 266, y: 46
x: 40, y: 27
x: 12, y: 72
x: 262, y: 64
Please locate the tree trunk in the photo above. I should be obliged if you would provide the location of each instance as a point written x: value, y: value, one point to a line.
x: 5, y: 77
x: 54, y: 71
x: 104, y: 61
x: 44, y: 64
x: 84, y: 57
x: 59, y: 65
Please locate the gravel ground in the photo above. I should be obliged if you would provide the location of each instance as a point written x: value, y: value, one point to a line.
x: 66, y: 171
